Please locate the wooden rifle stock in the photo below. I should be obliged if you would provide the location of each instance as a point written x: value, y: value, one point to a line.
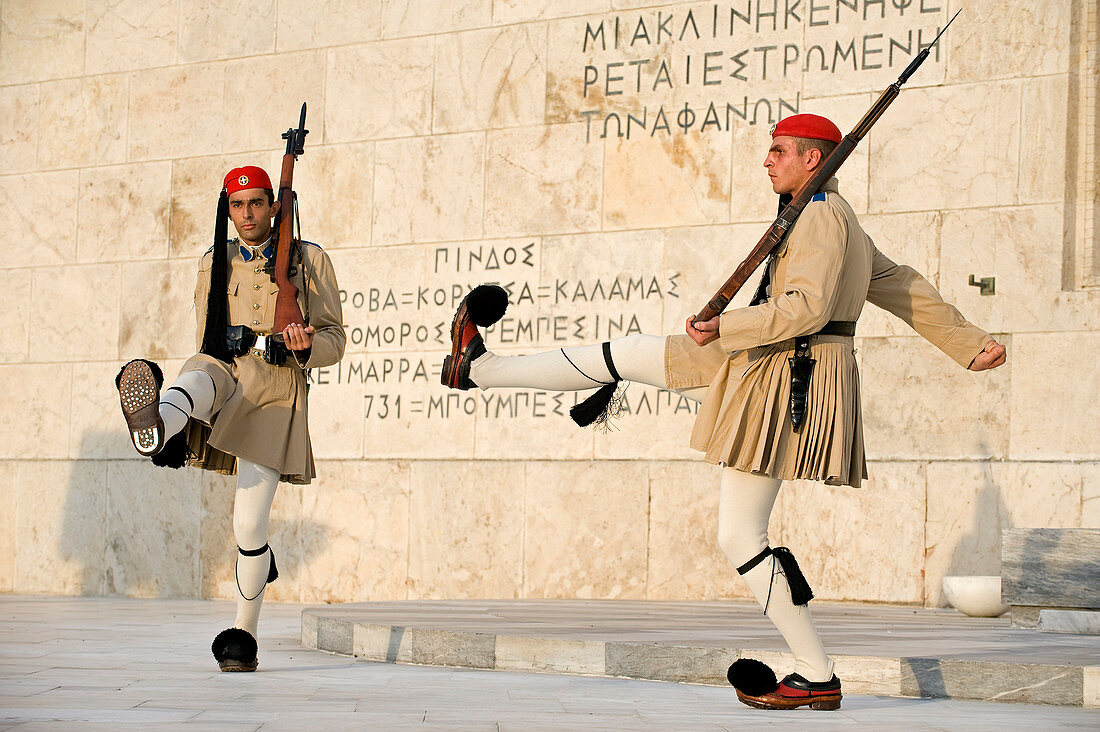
x: 286, y: 302
x: 790, y: 213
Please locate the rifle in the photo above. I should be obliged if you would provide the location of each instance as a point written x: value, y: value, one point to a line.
x: 790, y: 213
x: 286, y: 302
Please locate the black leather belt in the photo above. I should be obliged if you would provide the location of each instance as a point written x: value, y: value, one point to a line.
x: 802, y: 366
x: 838, y: 327
x: 240, y: 339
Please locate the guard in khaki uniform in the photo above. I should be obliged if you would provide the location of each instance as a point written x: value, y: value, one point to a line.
x: 778, y: 386
x: 246, y: 414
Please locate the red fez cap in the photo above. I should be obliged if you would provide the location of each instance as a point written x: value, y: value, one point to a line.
x: 249, y: 176
x: 809, y: 126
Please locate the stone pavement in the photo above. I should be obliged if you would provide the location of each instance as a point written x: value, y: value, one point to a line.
x: 117, y: 664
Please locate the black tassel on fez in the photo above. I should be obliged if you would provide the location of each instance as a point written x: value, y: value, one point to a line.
x: 217, y: 302
x: 801, y: 593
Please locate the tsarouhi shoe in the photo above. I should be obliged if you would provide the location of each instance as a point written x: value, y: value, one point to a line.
x: 139, y: 385
x: 756, y: 686
x: 483, y: 306
x: 235, y: 650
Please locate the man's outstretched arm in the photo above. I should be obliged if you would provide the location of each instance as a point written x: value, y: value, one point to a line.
x: 903, y: 292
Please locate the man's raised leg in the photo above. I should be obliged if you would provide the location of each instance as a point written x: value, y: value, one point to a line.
x: 639, y: 358
x: 153, y: 417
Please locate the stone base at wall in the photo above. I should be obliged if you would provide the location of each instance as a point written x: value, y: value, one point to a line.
x: 879, y: 650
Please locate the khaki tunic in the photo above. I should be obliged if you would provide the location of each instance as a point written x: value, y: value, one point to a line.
x: 264, y: 419
x: 825, y: 270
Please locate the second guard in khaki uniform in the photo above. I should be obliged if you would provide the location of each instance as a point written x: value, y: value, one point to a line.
x: 777, y: 381
x: 247, y: 414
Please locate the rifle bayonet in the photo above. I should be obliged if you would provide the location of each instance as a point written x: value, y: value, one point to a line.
x: 296, y: 137
x: 916, y: 62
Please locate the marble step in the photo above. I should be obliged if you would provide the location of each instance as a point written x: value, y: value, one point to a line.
x: 1082, y: 622
x: 878, y: 650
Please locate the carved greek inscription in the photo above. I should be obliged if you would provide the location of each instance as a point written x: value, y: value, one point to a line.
x: 398, y: 335
x: 702, y: 68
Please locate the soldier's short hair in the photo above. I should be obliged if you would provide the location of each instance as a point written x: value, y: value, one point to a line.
x: 805, y: 144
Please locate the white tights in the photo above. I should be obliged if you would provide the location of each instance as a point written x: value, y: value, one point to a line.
x: 638, y: 358
x: 251, y: 510
x: 204, y: 403
x: 744, y: 507
x: 252, y: 502
x: 746, y: 500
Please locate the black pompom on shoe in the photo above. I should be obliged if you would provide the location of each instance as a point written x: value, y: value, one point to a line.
x: 174, y: 454
x: 235, y: 650
x: 486, y: 304
x: 752, y: 677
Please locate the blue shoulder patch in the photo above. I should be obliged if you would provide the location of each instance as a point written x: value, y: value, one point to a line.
x: 819, y: 196
x: 227, y: 241
x: 312, y: 244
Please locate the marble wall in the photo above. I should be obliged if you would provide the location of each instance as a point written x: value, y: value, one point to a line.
x: 601, y: 159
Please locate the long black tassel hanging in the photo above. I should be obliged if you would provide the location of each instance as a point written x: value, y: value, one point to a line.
x: 801, y: 593
x: 606, y: 403
x: 598, y: 408
x: 217, y: 302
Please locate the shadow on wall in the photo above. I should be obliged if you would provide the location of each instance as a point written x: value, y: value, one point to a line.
x: 977, y: 551
x: 136, y: 530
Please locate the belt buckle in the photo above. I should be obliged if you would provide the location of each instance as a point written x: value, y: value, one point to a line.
x: 260, y: 346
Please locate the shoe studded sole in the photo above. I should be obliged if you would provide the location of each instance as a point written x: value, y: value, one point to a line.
x: 140, y: 397
x: 230, y: 665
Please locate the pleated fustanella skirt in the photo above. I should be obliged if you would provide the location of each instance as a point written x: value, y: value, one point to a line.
x: 745, y: 419
x: 264, y: 419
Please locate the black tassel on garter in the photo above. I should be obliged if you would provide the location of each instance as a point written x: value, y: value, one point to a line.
x: 606, y: 403
x: 598, y: 408
x: 801, y: 593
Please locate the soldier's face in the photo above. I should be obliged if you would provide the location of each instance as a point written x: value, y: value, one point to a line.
x: 251, y: 214
x: 786, y: 168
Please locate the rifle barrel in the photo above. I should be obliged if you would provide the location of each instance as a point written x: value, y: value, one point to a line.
x: 790, y: 213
